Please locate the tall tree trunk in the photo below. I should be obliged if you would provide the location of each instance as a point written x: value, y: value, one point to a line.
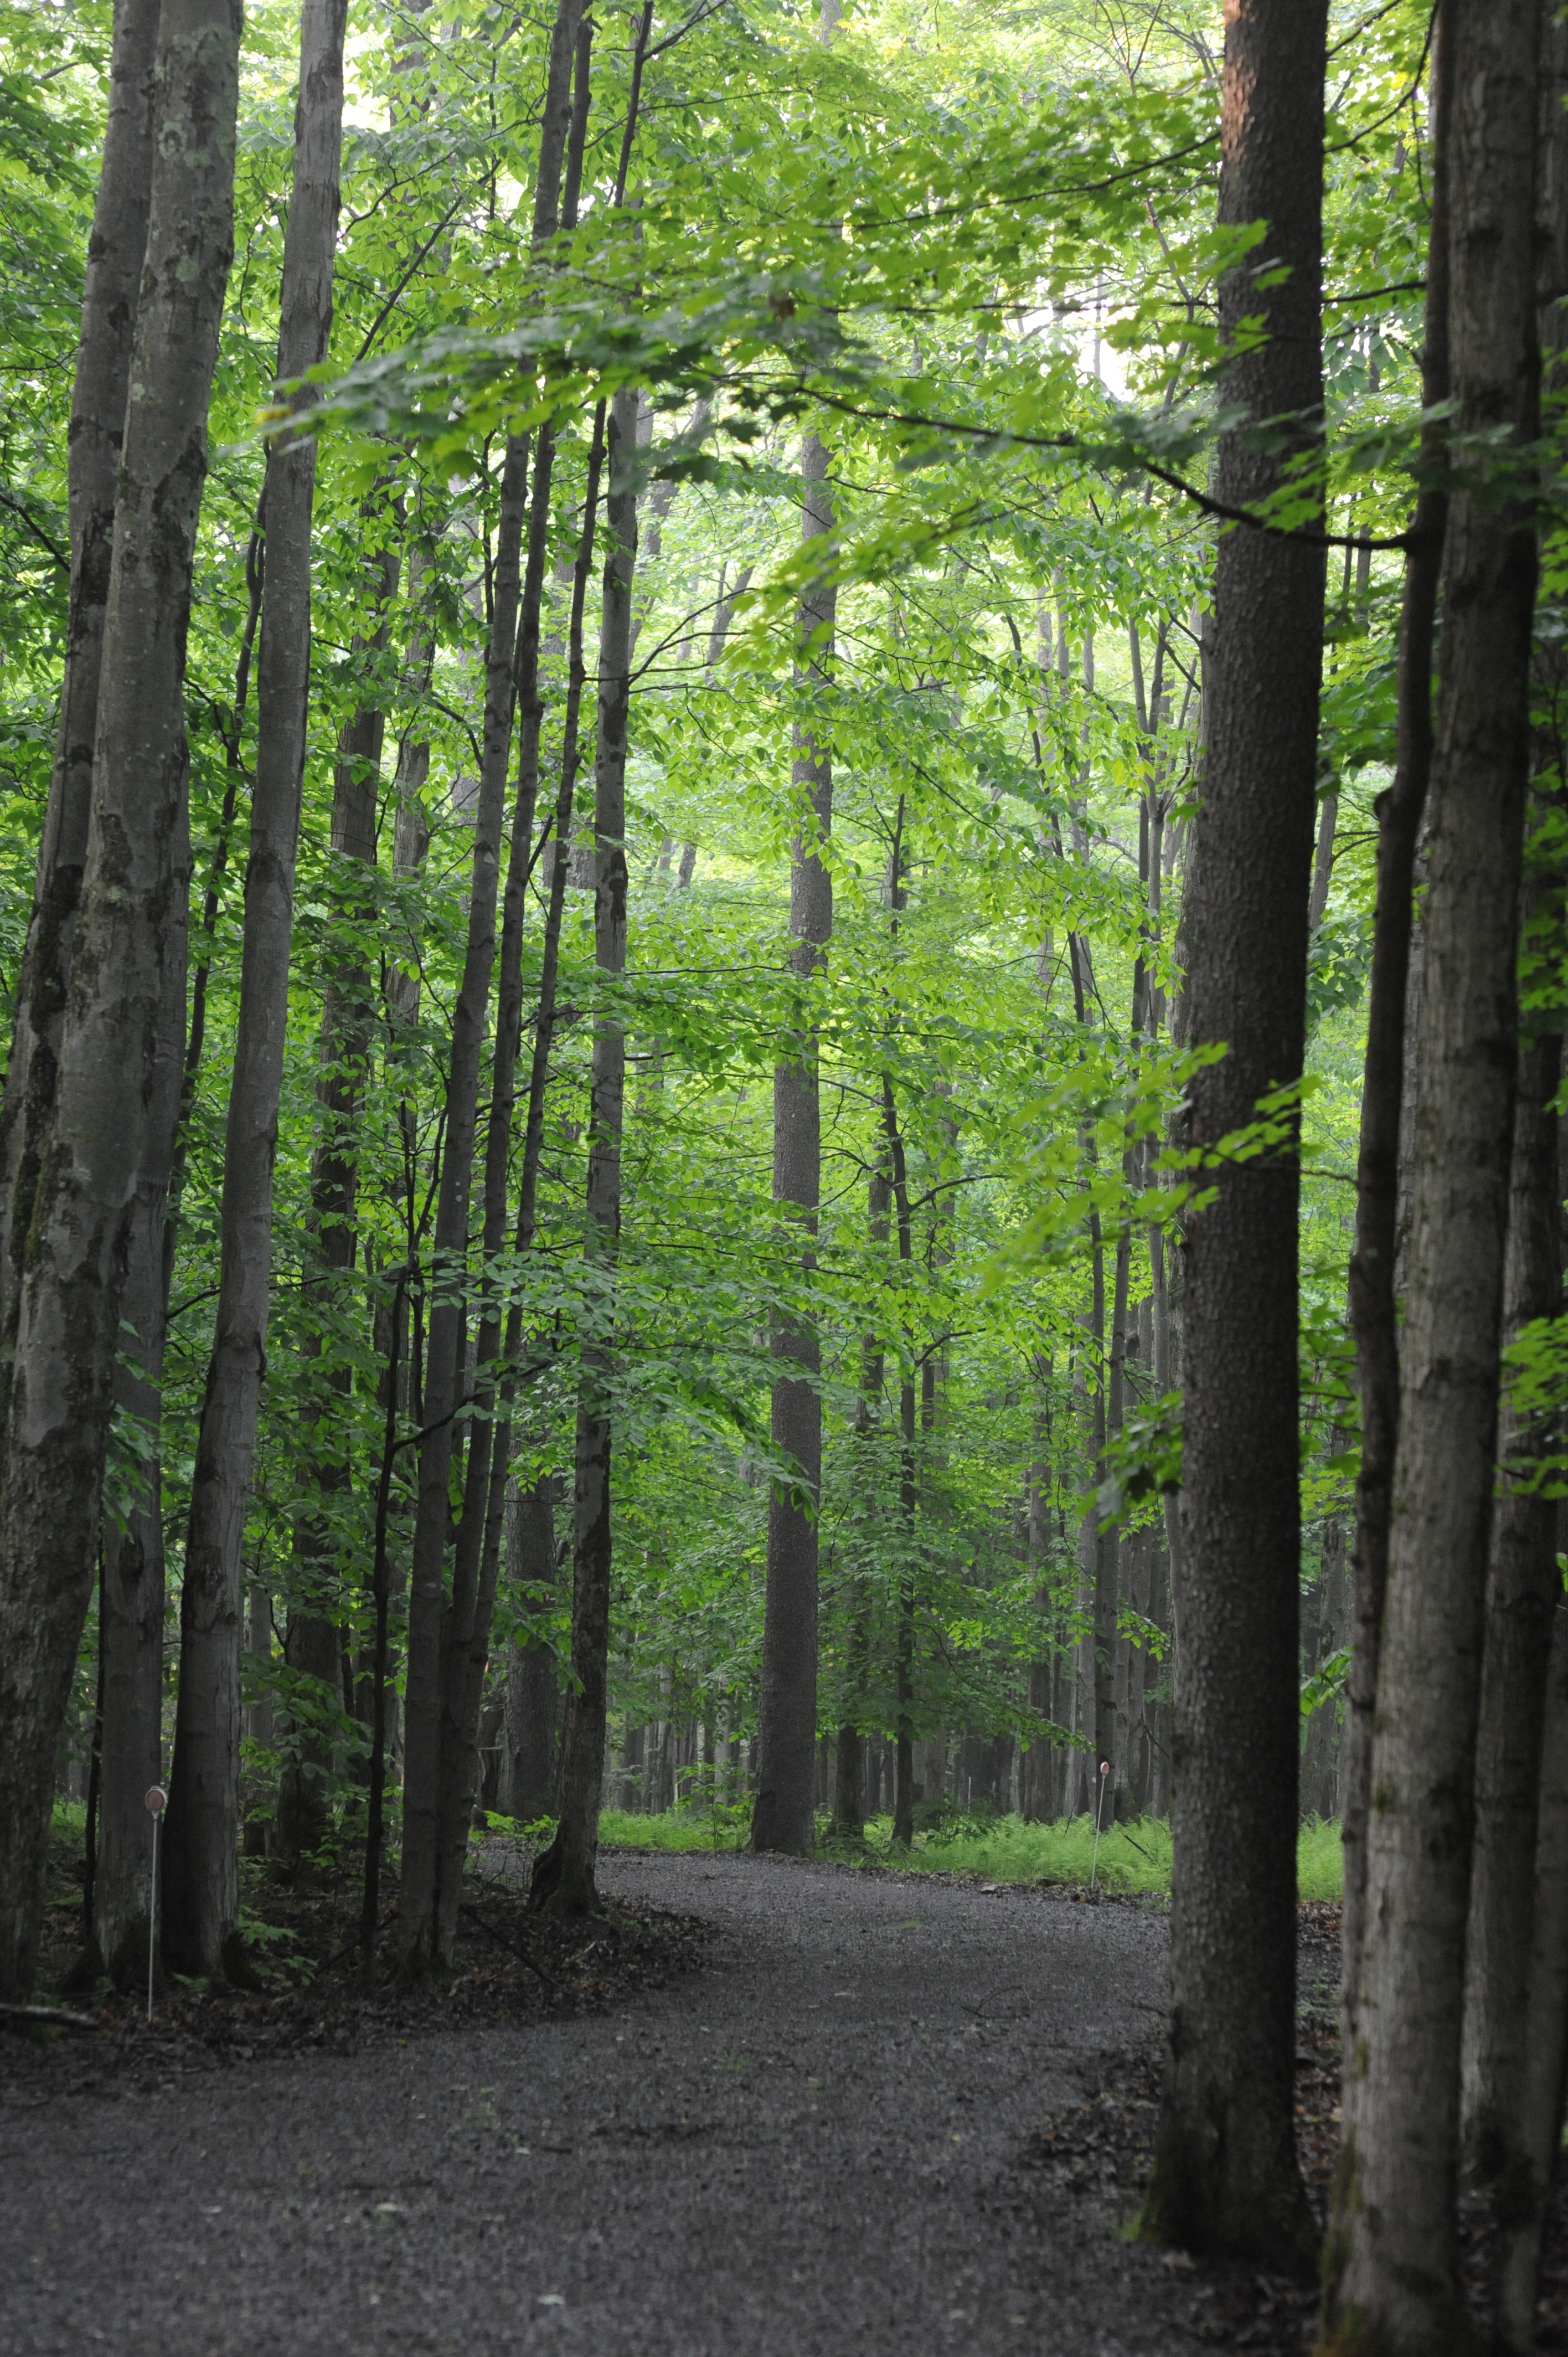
x: 201, y: 1841
x: 1539, y: 2137
x: 566, y: 1885
x: 342, y: 1055
x: 787, y: 1725
x: 127, y: 957
x: 418, y: 1925
x: 1374, y: 1315
x: 1523, y: 1583
x: 130, y: 1618
x: 116, y: 251
x: 534, y: 1682
x: 1318, y: 1757
x: 849, y: 1782
x: 477, y: 1562
x: 1394, y: 2284
x: 1226, y: 2178
x: 444, y: 1383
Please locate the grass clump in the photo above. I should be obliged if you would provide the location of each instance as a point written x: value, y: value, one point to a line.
x: 1131, y: 1857
x: 1319, y: 1870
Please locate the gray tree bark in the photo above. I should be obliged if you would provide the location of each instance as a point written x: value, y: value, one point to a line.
x: 849, y: 1777
x: 1523, y: 1585
x: 783, y: 1817
x: 1373, y: 1272
x: 1226, y: 2176
x: 567, y: 1887
x: 127, y: 954
x: 130, y: 1623
x: 130, y: 1628
x: 200, y: 1840
x: 1319, y: 1753
x: 533, y: 1686
x: 1522, y: 2226
x: 116, y: 251
x: 1393, y: 2282
x: 343, y: 1052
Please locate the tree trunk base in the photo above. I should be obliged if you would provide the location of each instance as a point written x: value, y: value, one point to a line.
x: 561, y: 1885
x: 1197, y: 2202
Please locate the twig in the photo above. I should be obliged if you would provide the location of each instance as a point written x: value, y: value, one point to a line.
x: 510, y: 1945
x: 357, y: 1944
x: 56, y: 2013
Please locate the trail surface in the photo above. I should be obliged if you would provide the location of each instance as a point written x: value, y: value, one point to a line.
x: 819, y: 2143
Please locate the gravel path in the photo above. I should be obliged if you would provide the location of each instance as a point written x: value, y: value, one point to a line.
x: 818, y: 2144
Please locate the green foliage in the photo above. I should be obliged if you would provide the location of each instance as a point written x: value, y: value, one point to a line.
x: 976, y: 254
x: 1136, y: 1857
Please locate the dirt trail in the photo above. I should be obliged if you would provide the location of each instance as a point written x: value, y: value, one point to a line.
x: 820, y: 2143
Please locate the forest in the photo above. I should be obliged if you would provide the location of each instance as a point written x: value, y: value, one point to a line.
x: 784, y: 921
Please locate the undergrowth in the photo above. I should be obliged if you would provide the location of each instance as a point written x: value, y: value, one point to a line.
x: 1004, y: 1849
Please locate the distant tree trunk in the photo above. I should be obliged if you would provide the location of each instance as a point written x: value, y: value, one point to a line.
x: 342, y: 1053
x: 1110, y: 1553
x: 202, y: 1833
x: 114, y: 256
x: 1374, y: 1314
x: 127, y: 955
x: 1226, y: 2176
x: 787, y: 1729
x: 260, y: 1727
x: 849, y: 1782
x: 444, y: 1382
x: 1318, y: 1763
x: 1396, y: 2282
x: 533, y: 1682
x: 566, y: 1885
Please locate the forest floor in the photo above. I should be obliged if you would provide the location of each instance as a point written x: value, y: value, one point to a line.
x: 782, y: 2109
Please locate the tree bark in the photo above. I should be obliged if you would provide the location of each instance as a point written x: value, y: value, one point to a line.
x: 131, y: 1623
x: 130, y: 1618
x: 1522, y: 2226
x: 127, y: 955
x: 532, y: 1708
x: 1393, y: 2281
x: 116, y: 251
x: 342, y: 1055
x: 1523, y: 1583
x: 444, y: 1385
x: 783, y: 1817
x: 1318, y: 1768
x: 1226, y: 2176
x: 200, y: 1837
x: 1373, y: 1273
x: 567, y: 1886
x: 849, y: 1776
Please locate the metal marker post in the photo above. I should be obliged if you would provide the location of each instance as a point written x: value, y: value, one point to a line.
x: 157, y: 1801
x: 1099, y: 1813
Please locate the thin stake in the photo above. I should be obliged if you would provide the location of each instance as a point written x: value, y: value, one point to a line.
x: 1099, y: 1813
x: 157, y: 1801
